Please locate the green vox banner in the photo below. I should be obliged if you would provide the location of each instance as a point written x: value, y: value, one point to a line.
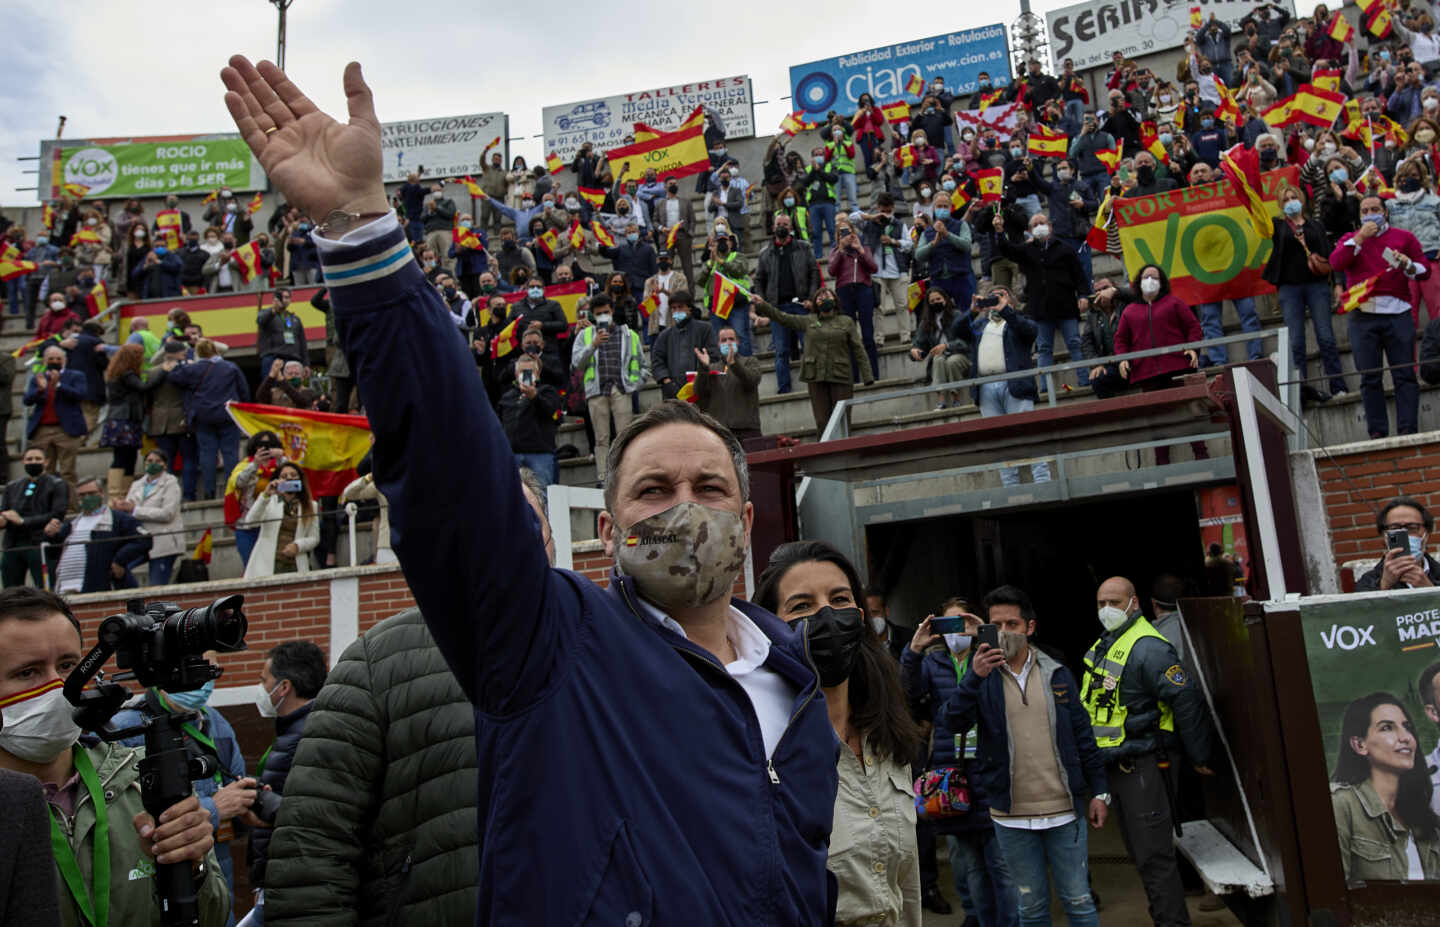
x: 1375, y: 668
x: 153, y: 168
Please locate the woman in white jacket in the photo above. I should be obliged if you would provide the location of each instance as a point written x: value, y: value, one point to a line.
x: 289, y: 525
x: 155, y: 501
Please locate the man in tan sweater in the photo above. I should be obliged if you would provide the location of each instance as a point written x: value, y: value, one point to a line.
x: 1039, y: 766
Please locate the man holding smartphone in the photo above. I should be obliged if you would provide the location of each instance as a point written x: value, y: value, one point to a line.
x: 1405, y: 525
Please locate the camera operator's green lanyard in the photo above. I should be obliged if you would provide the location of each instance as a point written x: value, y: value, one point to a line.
x: 98, y: 913
x: 194, y: 732
x: 964, y: 743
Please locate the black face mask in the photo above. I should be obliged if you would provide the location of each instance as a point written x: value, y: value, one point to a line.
x: 1409, y: 185
x: 532, y: 349
x: 672, y: 189
x: 59, y: 365
x: 1269, y: 154
x: 508, y: 245
x: 1146, y: 175
x: 664, y: 265
x: 825, y: 308
x: 449, y: 292
x: 35, y: 469
x: 835, y: 636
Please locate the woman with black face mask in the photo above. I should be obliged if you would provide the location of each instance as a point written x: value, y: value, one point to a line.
x: 832, y: 345
x: 1416, y: 209
x: 817, y: 591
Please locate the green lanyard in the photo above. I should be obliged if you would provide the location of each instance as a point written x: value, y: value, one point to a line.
x: 964, y: 743
x: 194, y: 732
x: 260, y: 770
x: 98, y: 912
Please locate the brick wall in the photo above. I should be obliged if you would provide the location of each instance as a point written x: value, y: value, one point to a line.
x: 1356, y: 479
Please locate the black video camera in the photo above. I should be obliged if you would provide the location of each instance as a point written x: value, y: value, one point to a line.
x: 161, y: 645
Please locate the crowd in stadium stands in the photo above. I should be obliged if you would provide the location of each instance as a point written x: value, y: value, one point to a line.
x: 992, y: 281
x: 981, y: 282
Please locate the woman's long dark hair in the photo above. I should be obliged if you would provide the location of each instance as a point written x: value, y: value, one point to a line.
x: 1412, y: 801
x: 878, y: 710
x: 927, y: 313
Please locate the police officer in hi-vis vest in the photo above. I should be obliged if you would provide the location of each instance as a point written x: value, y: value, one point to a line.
x: 1141, y: 700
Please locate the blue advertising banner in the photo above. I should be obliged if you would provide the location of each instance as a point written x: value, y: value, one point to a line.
x: 837, y: 83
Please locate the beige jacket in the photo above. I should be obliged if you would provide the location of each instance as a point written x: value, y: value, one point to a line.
x: 160, y: 513
x: 872, y: 843
x: 365, y: 490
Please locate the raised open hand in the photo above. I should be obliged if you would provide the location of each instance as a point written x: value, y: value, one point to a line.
x: 318, y: 164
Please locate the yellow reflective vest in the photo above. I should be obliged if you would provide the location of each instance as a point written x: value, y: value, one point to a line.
x: 1100, y: 690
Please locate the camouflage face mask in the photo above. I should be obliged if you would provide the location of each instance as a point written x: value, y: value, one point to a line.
x: 683, y: 557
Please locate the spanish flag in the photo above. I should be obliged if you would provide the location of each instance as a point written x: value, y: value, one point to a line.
x: 649, y: 305
x: 98, y: 299
x: 959, y: 200
x: 1280, y: 115
x: 567, y: 295
x: 327, y: 446
x: 988, y: 100
x: 204, y: 549
x: 214, y: 195
x: 1358, y: 295
x: 1197, y: 18
x: 723, y: 294
x: 602, y: 234
x: 76, y: 189
x: 553, y: 162
x: 898, y: 111
x: 168, y: 224
x: 674, y: 154
x: 493, y: 142
x: 47, y: 216
x: 1326, y: 79
x: 992, y: 184
x: 790, y: 125
x: 463, y: 237
x: 507, y: 341
x: 549, y: 243
x: 1228, y: 110
x: 1097, y: 237
x: 685, y: 393
x: 85, y: 237
x: 1241, y: 166
x: 647, y: 133
x: 11, y: 266
x: 256, y: 202
x: 248, y: 257
x: 1150, y: 141
x: 914, y: 84
x: 474, y: 188
x: 1340, y: 29
x: 1111, y: 157
x: 1378, y: 22
x: 577, y: 235
x: 915, y: 294
x: 1372, y: 182
x: 670, y: 236
x: 1045, y: 142
x: 905, y: 156
x: 592, y: 196
x: 1317, y: 106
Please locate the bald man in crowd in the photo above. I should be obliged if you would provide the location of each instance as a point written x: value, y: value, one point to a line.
x: 1143, y: 706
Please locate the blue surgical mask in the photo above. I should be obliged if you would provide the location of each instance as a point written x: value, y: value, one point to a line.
x: 161, y: 250
x: 941, y: 212
x: 949, y: 185
x: 727, y: 348
x: 818, y: 159
x: 195, y: 699
x: 1417, y: 548
x: 1384, y: 54
x: 984, y: 83
x: 536, y: 292
x: 1166, y: 138
x: 1339, y: 175
x: 679, y: 315
x: 466, y: 223
x: 789, y: 201
x: 1293, y: 207
x: 632, y: 237
x: 1378, y: 218
x: 1016, y: 151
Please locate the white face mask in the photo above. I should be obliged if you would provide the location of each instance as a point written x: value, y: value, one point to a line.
x: 958, y: 643
x: 877, y: 624
x: 1112, y: 617
x: 262, y: 700
x: 41, y: 726
x: 1041, y: 232
x: 1150, y: 286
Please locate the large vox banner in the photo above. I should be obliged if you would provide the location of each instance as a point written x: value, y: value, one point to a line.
x: 1202, y: 237
x: 1374, y: 666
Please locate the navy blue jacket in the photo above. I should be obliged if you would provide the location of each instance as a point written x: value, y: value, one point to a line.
x: 595, y: 729
x: 69, y: 391
x: 206, y: 394
x: 1019, y: 336
x: 121, y: 541
x: 637, y: 262
x: 1066, y: 221
x: 981, y: 702
x: 274, y: 770
x: 84, y: 358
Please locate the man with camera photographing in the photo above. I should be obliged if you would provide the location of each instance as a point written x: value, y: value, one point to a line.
x: 92, y: 788
x: 1405, y: 525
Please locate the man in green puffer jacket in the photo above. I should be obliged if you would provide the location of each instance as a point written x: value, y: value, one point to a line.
x: 378, y: 825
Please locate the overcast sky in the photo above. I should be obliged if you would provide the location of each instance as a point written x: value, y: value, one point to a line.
x: 145, y: 67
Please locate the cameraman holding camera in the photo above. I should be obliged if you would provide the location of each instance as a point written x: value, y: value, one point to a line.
x: 92, y: 788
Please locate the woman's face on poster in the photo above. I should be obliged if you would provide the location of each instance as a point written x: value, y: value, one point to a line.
x: 1389, y: 742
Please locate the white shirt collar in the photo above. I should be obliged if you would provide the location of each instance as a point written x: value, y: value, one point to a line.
x: 751, y: 645
x: 1024, y: 673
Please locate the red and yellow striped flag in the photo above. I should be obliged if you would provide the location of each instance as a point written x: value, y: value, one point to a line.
x: 326, y: 446
x: 591, y: 195
x: 988, y: 100
x: 1228, y: 110
x: 553, y: 162
x: 11, y: 266
x: 1326, y: 79
x: 474, y: 188
x: 649, y: 306
x: 686, y: 393
x: 493, y: 142
x: 256, y: 202
x: 602, y: 234
x: 905, y: 156
x: 1241, y: 167
x: 1358, y: 295
x: 507, y: 341
x: 1378, y: 23
x: 1197, y: 18
x: 1340, y: 29
x: 549, y: 242
x: 992, y: 184
x: 644, y: 132
x: 76, y: 189
x: 790, y: 125
x: 915, y: 294
x: 1280, y: 115
x: 214, y: 195
x: 205, y: 548
x: 1045, y: 142
x: 898, y: 111
x: 248, y: 257
x: 959, y: 200
x: 85, y: 236
x: 167, y: 225
x: 47, y: 216
x: 670, y: 236
x: 98, y: 299
x: 1111, y: 157
x: 1150, y: 141
x: 914, y: 84
x: 463, y: 237
x: 577, y: 235
x: 723, y: 294
x: 1097, y: 237
x: 1316, y: 106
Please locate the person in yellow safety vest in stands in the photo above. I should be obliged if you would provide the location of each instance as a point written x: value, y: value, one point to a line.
x: 1140, y: 701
